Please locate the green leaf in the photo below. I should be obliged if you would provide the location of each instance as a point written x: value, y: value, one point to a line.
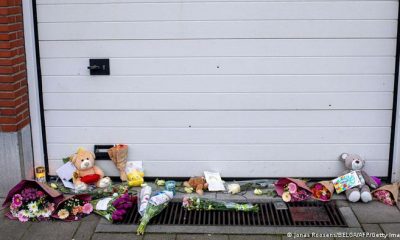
x: 66, y: 159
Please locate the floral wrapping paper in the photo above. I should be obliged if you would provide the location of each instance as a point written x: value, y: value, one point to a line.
x: 323, y: 191
x: 37, y: 198
x: 293, y: 190
x: 85, y: 208
x: 387, y: 194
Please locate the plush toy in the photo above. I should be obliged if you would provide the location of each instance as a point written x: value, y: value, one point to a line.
x: 354, y: 162
x: 86, y: 172
x: 198, y: 183
x: 135, y: 178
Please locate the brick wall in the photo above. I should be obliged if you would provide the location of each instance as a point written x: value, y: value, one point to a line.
x: 14, y: 109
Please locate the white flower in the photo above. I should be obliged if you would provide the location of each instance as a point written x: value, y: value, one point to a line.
x: 25, y: 213
x: 233, y: 188
x: 14, y: 213
x: 33, y: 207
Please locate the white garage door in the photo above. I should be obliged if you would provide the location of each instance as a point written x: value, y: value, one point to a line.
x: 247, y: 88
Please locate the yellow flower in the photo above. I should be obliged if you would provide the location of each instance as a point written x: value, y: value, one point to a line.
x: 188, y: 189
x: 160, y: 182
x: 286, y: 197
x: 63, y: 214
x: 258, y: 191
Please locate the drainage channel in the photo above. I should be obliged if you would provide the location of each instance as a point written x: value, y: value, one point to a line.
x: 302, y: 214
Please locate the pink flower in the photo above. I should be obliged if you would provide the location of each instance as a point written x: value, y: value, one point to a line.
x: 87, y: 208
x: 185, y: 202
x: 292, y: 187
x: 50, y: 207
x: 39, y: 194
x: 13, y: 207
x: 318, y: 186
x: 17, y: 200
x: 22, y: 217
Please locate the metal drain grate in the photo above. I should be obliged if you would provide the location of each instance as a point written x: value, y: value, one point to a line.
x: 296, y: 214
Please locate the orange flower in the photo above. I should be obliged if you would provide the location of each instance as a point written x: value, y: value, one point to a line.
x: 76, y: 210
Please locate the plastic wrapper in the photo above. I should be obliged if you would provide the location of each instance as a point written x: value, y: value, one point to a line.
x: 144, y: 198
x: 196, y: 203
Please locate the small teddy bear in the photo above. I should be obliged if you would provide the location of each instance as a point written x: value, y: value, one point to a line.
x: 354, y: 162
x: 198, y: 183
x: 86, y: 171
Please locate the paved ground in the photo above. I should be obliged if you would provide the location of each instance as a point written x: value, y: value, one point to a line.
x: 373, y: 218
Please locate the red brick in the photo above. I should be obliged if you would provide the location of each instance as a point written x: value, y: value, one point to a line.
x: 6, y: 70
x: 8, y: 3
x: 9, y: 128
x: 8, y: 111
x: 12, y: 61
x: 7, y: 103
x: 14, y: 105
x: 8, y: 120
x: 23, y: 123
x: 22, y: 107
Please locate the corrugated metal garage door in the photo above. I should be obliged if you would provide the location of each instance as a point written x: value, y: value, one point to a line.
x: 247, y: 88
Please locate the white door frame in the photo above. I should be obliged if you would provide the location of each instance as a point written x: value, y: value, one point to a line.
x: 35, y: 97
x: 33, y: 83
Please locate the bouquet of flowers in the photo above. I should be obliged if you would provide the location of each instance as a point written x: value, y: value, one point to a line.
x: 95, y: 193
x: 114, y: 208
x: 74, y: 208
x: 31, y: 201
x: 197, y: 203
x: 155, y: 205
x: 292, y: 190
x: 119, y: 156
x: 387, y: 194
x: 322, y: 191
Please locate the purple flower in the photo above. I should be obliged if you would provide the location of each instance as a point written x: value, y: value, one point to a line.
x: 22, y: 217
x: 29, y: 194
x: 118, y: 215
x: 17, y: 200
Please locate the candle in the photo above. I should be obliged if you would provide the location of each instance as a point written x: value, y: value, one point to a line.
x: 40, y: 173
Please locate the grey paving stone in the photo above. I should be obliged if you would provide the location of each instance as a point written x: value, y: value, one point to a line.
x: 349, y: 217
x: 342, y: 203
x: 201, y: 237
x: 167, y: 236
x: 391, y: 228
x: 86, y: 227
x: 51, y: 230
x: 244, y: 197
x: 255, y: 237
x: 11, y: 230
x: 372, y: 228
x: 375, y: 212
x: 116, y: 236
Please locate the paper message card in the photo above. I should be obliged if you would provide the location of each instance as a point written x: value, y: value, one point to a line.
x: 214, y: 181
x: 346, y: 181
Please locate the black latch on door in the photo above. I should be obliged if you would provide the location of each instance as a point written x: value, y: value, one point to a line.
x: 99, y: 66
x: 101, y: 151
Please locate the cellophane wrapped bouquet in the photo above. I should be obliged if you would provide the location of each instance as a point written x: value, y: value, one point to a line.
x: 74, y: 208
x: 197, y: 203
x: 31, y: 205
x: 31, y: 201
x: 387, y: 194
x: 155, y: 205
x: 322, y: 191
x: 292, y: 190
x: 114, y: 208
